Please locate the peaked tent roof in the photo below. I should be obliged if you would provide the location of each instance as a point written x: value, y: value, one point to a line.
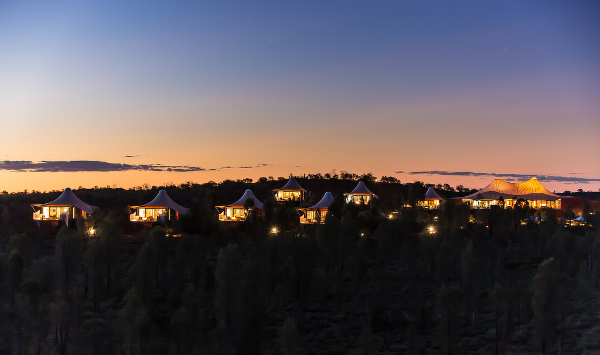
x: 496, y: 189
x: 163, y: 200
x: 68, y: 198
x: 432, y: 195
x: 361, y: 189
x: 247, y: 195
x: 325, y: 202
x: 533, y: 190
x: 292, y: 184
x: 529, y: 190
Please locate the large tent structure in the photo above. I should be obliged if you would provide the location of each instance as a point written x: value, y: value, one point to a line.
x: 238, y: 211
x: 162, y: 208
x: 432, y: 200
x: 66, y: 207
x: 291, y: 191
x: 530, y: 192
x: 360, y: 195
x: 316, y: 213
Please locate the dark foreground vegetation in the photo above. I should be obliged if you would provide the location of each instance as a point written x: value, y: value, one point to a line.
x: 445, y: 282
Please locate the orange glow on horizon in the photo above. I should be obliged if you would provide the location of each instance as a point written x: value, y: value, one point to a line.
x: 30, y: 181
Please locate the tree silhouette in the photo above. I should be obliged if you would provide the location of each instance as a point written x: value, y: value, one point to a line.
x: 229, y: 262
x: 548, y: 294
x: 15, y: 273
x: 449, y: 300
x: 469, y: 271
x: 289, y: 336
x: 69, y: 247
x: 499, y: 295
x: 181, y: 324
x: 134, y: 321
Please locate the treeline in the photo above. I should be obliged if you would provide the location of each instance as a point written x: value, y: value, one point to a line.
x: 446, y: 281
x: 16, y: 212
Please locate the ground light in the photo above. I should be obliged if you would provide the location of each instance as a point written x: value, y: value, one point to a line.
x: 431, y: 230
x: 274, y: 230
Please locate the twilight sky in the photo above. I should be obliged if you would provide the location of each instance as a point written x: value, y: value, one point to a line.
x: 97, y: 93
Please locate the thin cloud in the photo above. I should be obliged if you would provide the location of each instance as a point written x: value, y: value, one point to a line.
x: 99, y: 166
x: 545, y: 178
x: 134, y: 156
x: 260, y: 165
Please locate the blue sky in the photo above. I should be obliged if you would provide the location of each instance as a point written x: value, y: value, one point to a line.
x: 198, y: 74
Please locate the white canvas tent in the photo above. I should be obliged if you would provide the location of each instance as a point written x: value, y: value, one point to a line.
x: 67, y: 206
x: 432, y: 199
x: 360, y: 194
x: 236, y: 210
x: 316, y: 212
x: 158, y: 209
x: 291, y: 191
x: 532, y: 191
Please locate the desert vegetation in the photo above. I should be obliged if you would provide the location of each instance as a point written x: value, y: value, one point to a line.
x: 366, y: 281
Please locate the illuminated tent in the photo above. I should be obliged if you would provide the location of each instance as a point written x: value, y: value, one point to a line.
x: 360, y: 194
x: 160, y: 208
x: 236, y: 211
x: 432, y: 195
x: 312, y: 214
x: 68, y: 198
x: 531, y: 191
x: 291, y: 191
x: 66, y: 206
x: 247, y: 195
x: 498, y: 188
x: 163, y: 200
x: 432, y: 199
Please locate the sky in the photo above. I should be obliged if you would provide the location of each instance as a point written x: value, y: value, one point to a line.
x: 125, y: 93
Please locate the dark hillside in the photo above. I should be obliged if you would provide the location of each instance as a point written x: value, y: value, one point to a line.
x: 433, y: 282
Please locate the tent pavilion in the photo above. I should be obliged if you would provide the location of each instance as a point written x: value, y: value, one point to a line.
x: 360, y: 195
x: 529, y: 192
x: 162, y: 208
x: 432, y: 200
x: 316, y: 213
x: 291, y: 191
x: 66, y: 207
x: 237, y: 211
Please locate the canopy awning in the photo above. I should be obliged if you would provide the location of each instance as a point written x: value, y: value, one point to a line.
x: 361, y: 189
x: 68, y: 198
x: 291, y: 185
x: 247, y: 195
x: 528, y: 190
x: 432, y: 195
x: 163, y: 200
x: 324, y: 204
